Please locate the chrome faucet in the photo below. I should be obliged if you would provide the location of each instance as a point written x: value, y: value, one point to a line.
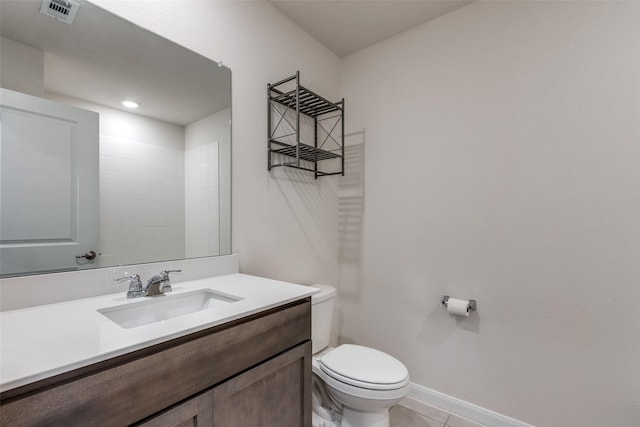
x: 157, y: 285
x: 135, y: 285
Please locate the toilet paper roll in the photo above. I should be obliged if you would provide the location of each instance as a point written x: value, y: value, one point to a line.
x: 458, y: 307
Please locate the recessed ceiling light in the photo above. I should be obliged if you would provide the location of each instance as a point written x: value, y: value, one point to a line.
x: 130, y: 104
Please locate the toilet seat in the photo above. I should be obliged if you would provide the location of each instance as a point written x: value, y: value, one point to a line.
x: 361, y: 392
x: 364, y: 367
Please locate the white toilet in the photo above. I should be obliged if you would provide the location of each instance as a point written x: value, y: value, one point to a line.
x: 362, y: 381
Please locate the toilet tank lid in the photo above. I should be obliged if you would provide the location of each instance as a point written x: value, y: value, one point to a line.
x: 325, y: 293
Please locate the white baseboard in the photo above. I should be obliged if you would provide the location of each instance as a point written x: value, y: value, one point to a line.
x: 460, y: 407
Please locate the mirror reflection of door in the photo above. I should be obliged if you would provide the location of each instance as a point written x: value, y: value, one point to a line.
x: 49, y: 198
x: 153, y: 207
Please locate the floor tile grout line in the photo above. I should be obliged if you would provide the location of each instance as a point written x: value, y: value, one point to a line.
x: 446, y: 420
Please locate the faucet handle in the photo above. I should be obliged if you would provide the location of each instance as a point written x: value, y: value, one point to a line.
x: 171, y: 271
x: 135, y: 285
x: 166, y: 283
x: 128, y: 277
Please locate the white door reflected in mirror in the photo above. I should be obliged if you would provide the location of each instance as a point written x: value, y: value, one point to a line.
x: 164, y: 167
x: 49, y: 211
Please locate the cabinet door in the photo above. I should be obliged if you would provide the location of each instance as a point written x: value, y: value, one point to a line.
x: 195, y: 412
x: 274, y: 393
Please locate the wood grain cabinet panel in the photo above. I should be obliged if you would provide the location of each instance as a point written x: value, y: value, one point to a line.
x: 271, y: 347
x: 275, y: 393
x: 195, y: 412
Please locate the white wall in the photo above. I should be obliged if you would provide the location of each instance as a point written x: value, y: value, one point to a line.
x: 21, y: 68
x: 284, y: 223
x: 501, y: 164
x: 202, y: 141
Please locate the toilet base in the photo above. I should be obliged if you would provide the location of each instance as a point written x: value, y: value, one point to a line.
x: 319, y: 421
x: 353, y: 418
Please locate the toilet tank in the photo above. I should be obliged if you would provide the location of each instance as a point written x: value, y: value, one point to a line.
x: 321, y: 316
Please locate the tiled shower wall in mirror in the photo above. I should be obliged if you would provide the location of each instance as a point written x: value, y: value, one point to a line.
x: 158, y: 186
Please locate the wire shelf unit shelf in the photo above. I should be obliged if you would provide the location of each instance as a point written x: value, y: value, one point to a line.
x: 297, y: 114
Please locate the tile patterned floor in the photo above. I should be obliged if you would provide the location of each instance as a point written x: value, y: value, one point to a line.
x: 412, y: 413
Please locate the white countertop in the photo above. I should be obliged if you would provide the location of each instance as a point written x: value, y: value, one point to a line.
x: 39, y: 342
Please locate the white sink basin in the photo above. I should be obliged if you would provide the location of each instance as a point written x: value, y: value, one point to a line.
x: 164, y: 307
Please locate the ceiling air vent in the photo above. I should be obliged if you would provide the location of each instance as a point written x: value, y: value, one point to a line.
x: 62, y: 10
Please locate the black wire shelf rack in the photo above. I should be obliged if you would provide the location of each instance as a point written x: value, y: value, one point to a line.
x: 305, y: 130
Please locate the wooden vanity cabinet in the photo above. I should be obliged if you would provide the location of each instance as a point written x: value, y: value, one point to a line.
x: 196, y: 411
x: 255, y: 371
x: 267, y: 395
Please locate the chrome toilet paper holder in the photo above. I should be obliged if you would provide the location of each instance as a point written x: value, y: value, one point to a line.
x: 472, y: 302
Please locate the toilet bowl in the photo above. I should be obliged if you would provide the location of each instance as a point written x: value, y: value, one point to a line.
x: 362, y: 382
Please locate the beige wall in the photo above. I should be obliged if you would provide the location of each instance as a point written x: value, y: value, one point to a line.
x: 284, y: 223
x: 502, y: 164
x: 21, y: 68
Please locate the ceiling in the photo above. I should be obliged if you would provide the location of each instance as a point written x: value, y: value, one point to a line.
x: 98, y: 47
x: 103, y: 59
x: 346, y: 26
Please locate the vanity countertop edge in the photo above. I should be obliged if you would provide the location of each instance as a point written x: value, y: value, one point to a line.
x: 44, y: 341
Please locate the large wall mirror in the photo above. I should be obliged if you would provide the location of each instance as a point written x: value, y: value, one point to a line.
x: 87, y: 182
